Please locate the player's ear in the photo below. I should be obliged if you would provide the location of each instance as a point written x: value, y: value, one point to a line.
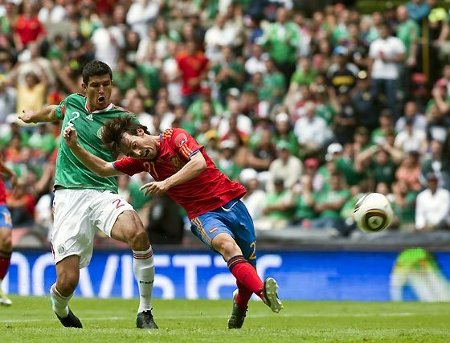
x: 140, y: 132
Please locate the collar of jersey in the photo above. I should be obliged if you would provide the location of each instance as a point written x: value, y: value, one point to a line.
x: 105, y: 109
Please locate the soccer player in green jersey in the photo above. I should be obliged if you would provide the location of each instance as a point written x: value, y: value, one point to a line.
x: 85, y: 202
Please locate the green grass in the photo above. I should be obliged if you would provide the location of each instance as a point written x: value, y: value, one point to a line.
x: 112, y: 320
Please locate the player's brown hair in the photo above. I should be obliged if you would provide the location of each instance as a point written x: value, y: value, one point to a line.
x: 113, y: 130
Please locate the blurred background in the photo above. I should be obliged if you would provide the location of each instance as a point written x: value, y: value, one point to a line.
x: 308, y: 103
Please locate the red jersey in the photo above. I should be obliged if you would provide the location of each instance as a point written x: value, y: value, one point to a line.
x: 191, y: 67
x: 2, y: 192
x: 28, y: 29
x: 205, y: 192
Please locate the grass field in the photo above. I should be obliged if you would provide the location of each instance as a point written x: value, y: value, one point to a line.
x: 112, y: 320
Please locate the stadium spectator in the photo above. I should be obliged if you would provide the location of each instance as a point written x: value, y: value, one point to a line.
x: 364, y: 102
x: 303, y: 199
x: 311, y: 131
x: 262, y: 153
x: 277, y: 209
x: 107, y: 40
x: 438, y: 162
x: 226, y: 160
x: 282, y: 40
x: 409, y: 171
x: 432, y: 206
x: 8, y: 98
x: 283, y: 131
x: 404, y: 202
x: 286, y: 167
x: 27, y: 27
x: 411, y: 112
x: 410, y: 139
x: 193, y: 66
x: 328, y: 204
x: 255, y: 197
x: 342, y: 74
x: 184, y: 172
x: 385, y: 54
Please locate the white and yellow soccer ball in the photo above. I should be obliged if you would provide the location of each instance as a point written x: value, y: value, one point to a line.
x: 373, y: 212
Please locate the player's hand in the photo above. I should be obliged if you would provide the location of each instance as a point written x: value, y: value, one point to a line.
x: 26, y: 116
x: 70, y: 136
x: 155, y: 188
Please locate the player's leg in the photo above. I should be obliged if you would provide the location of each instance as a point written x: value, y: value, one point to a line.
x: 244, y: 235
x: 71, y: 238
x: 67, y: 277
x: 215, y: 229
x: 5, y: 255
x: 128, y: 228
x: 118, y: 220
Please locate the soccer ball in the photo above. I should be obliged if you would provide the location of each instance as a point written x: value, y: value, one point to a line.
x: 373, y: 212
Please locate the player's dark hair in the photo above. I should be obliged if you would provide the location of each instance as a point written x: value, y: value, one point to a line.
x: 114, y: 129
x: 95, y: 68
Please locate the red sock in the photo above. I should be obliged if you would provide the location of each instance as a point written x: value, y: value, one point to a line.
x: 243, y: 296
x: 5, y: 259
x: 246, y: 275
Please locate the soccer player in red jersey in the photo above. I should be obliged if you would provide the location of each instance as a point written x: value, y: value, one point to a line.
x: 5, y: 230
x: 181, y: 167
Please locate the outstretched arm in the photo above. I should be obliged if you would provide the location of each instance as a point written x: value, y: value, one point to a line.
x: 46, y: 114
x: 94, y: 163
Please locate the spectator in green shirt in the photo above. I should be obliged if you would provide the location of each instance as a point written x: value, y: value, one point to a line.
x: 282, y: 41
x: 228, y: 73
x: 278, y: 208
x: 328, y: 204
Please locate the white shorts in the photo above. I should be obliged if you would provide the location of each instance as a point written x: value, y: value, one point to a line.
x: 78, y: 213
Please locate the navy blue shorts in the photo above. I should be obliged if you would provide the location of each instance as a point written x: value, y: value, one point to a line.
x: 232, y: 219
x: 5, y: 217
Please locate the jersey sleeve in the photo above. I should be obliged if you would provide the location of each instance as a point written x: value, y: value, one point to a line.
x: 60, y: 110
x: 184, y: 144
x: 130, y: 166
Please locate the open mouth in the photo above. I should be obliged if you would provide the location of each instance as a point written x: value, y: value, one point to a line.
x: 101, y: 98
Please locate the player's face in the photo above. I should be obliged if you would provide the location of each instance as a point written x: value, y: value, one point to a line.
x: 140, y: 146
x: 98, y: 92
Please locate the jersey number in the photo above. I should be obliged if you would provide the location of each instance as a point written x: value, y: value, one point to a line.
x: 253, y: 254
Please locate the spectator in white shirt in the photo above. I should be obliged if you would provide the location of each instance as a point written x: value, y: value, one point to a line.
x: 432, y: 206
x: 385, y: 54
x: 312, y: 131
x: 107, y: 41
x: 257, y: 62
x: 410, y: 139
x: 411, y: 112
x: 140, y: 15
x: 286, y: 167
x: 255, y: 197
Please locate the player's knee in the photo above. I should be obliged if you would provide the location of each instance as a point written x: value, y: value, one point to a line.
x: 67, y: 281
x: 227, y: 248
x: 138, y: 239
x: 5, y: 240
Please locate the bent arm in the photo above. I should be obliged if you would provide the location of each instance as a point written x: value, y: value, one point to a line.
x: 94, y: 163
x: 193, y: 168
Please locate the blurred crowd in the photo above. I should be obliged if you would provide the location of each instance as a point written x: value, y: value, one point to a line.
x: 307, y: 108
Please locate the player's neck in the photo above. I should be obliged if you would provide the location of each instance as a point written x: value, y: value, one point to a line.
x: 92, y: 108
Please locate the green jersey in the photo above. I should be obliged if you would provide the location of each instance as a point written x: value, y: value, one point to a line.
x: 70, y: 172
